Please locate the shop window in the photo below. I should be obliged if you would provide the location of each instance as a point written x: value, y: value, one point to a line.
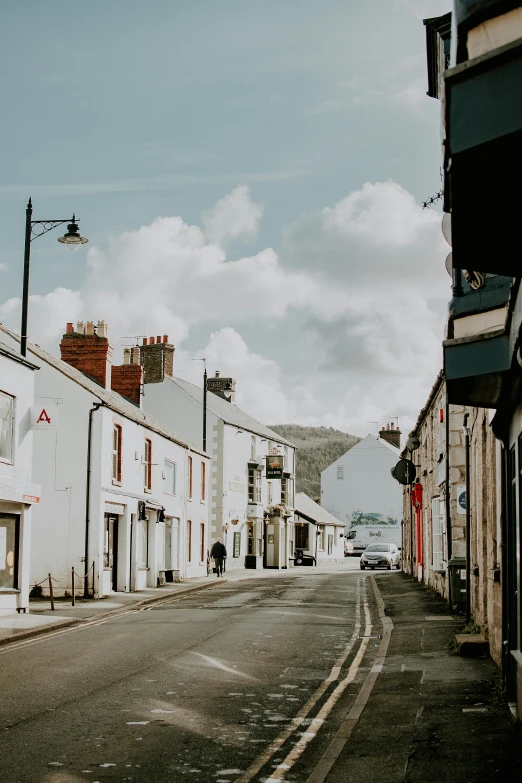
x: 6, y: 426
x: 116, y: 453
x: 9, y: 552
x: 301, y: 536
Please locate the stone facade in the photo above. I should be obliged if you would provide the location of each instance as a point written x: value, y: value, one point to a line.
x: 157, y: 359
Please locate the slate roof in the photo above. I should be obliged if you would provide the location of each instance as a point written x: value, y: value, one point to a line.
x: 313, y: 511
x: 16, y: 357
x: 229, y: 412
x: 110, y: 399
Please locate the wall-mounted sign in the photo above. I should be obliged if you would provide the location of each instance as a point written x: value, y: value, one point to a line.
x: 45, y: 417
x: 114, y: 508
x: 237, y: 544
x: 274, y: 466
x: 461, y: 499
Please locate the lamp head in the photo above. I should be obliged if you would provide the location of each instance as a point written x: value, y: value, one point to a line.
x: 73, y: 239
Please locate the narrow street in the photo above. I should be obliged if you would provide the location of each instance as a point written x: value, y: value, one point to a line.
x: 222, y: 685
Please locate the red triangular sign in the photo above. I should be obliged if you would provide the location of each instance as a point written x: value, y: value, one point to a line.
x: 43, y: 417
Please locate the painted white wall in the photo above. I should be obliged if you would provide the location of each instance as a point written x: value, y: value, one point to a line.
x: 16, y: 475
x: 367, y: 484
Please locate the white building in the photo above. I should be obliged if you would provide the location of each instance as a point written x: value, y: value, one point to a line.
x: 124, y: 498
x: 18, y: 494
x: 359, y: 488
x: 317, y: 532
x: 252, y: 514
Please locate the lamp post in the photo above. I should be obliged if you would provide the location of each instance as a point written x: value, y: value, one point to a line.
x: 199, y: 359
x: 34, y: 229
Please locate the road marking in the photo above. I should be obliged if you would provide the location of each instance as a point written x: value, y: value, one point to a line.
x: 309, y: 614
x: 336, y: 746
x: 218, y: 665
x: 303, y: 713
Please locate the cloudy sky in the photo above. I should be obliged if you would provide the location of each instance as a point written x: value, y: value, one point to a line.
x: 250, y: 178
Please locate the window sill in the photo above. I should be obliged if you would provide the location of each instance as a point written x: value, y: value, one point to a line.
x: 203, y: 502
x: 148, y: 490
x: 6, y: 461
x: 116, y: 483
x: 9, y: 591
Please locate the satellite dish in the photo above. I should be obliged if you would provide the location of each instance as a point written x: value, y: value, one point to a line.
x: 446, y: 227
x: 413, y: 443
x: 449, y: 264
x: 404, y: 471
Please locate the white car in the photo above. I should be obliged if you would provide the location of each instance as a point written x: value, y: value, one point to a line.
x: 381, y: 556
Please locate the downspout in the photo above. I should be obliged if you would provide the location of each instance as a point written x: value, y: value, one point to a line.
x: 96, y: 406
x: 468, y: 524
x: 449, y: 539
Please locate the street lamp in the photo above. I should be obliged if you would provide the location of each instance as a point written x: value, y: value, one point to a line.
x: 72, y: 239
x: 199, y: 359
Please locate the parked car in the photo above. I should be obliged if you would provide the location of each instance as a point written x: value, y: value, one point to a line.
x: 348, y: 548
x: 381, y: 556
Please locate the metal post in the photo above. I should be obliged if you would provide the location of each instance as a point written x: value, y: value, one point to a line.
x: 51, y: 595
x: 93, y: 578
x: 205, y: 409
x: 25, y: 292
x: 72, y: 588
x: 468, y: 524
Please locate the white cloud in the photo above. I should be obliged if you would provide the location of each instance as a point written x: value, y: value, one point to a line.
x: 365, y: 278
x: 3, y: 266
x: 233, y: 217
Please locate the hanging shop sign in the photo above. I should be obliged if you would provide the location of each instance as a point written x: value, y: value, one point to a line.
x: 274, y: 466
x: 44, y: 417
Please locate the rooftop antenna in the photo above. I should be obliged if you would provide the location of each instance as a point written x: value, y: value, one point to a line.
x: 136, y: 337
x: 376, y: 424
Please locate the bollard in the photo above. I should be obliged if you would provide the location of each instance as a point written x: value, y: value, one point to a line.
x: 51, y: 595
x: 72, y: 577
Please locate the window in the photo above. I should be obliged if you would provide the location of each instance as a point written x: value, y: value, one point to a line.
x: 253, y: 446
x: 189, y: 541
x: 203, y: 481
x: 143, y: 543
x: 301, y: 536
x: 190, y: 477
x: 147, y: 464
x: 254, y: 485
x: 6, y: 426
x: 170, y: 477
x: 321, y: 537
x: 287, y: 492
x: 8, y: 552
x: 437, y: 529
x: 116, y: 453
x: 340, y: 473
x: 203, y: 554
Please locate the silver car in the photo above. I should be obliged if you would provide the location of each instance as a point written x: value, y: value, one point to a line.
x: 381, y: 556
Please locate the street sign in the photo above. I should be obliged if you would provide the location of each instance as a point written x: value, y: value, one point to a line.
x: 274, y: 466
x: 461, y: 499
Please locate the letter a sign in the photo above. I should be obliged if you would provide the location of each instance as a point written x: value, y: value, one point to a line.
x: 44, y: 417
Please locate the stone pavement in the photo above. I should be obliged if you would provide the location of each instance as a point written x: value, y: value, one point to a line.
x: 432, y: 716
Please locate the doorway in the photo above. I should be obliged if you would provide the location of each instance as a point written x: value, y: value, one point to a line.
x: 9, y: 535
x: 110, y: 554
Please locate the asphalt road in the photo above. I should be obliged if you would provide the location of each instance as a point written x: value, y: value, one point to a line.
x: 246, y: 682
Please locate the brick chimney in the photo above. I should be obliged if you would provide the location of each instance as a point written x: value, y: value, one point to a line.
x: 157, y: 359
x: 391, y: 435
x: 88, y: 350
x: 127, y: 378
x: 217, y: 385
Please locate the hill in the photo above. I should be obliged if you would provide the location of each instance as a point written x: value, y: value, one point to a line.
x: 317, y: 448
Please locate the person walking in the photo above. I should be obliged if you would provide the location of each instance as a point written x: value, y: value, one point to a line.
x: 218, y: 552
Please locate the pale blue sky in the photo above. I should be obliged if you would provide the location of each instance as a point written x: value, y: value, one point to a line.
x: 124, y: 110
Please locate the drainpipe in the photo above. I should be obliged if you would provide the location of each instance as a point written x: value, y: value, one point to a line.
x: 449, y: 541
x: 96, y: 406
x: 468, y: 524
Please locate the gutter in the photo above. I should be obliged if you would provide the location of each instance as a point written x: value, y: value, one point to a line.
x: 96, y: 406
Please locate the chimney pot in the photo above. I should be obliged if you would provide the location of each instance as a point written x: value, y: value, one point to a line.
x: 165, y: 338
x: 102, y: 330
x: 70, y: 329
x: 158, y: 338
x: 217, y: 374
x: 135, y: 355
x: 89, y: 328
x: 80, y: 327
x: 145, y: 341
x: 152, y: 341
x: 126, y: 356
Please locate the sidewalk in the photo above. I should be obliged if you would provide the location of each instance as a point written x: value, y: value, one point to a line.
x: 432, y: 716
x: 41, y: 619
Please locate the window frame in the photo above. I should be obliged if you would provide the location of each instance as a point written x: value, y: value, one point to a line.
x: 203, y: 481
x: 437, y: 533
x: 175, y: 475
x: 9, y: 459
x: 202, y: 542
x: 117, y: 430
x: 189, y: 541
x: 147, y: 465
x: 302, y: 534
x: 340, y: 472
x: 190, y: 477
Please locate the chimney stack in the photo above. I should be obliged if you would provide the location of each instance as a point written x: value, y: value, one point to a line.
x: 217, y: 385
x: 88, y: 350
x: 127, y: 378
x: 157, y: 359
x: 391, y: 435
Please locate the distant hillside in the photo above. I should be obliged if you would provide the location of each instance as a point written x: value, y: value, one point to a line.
x: 317, y: 448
